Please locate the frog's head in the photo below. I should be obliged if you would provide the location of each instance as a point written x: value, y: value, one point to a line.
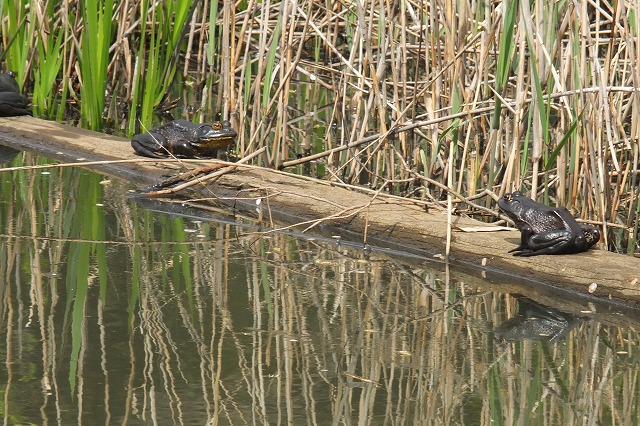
x: 217, y: 135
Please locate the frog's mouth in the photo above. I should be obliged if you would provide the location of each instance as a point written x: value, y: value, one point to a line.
x: 218, y: 141
x: 227, y: 137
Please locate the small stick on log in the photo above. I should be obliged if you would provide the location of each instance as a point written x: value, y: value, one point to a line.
x: 190, y: 179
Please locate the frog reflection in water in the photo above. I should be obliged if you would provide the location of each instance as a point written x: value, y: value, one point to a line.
x: 181, y: 138
x: 544, y: 229
x: 536, y: 322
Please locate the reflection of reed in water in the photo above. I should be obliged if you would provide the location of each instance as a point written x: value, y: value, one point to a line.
x: 123, y: 316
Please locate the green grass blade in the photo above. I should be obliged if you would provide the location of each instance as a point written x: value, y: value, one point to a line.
x: 549, y: 164
x: 46, y: 74
x: 94, y: 59
x: 505, y: 54
x: 271, y: 58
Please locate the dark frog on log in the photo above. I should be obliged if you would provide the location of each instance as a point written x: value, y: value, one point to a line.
x: 183, y: 139
x: 12, y: 102
x: 544, y: 229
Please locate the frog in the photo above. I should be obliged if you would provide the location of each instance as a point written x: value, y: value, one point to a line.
x: 12, y: 102
x: 183, y: 139
x: 544, y: 229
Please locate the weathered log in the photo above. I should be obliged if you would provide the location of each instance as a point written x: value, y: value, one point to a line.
x: 310, y: 206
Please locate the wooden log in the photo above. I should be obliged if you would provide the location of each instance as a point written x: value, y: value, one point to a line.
x: 313, y: 206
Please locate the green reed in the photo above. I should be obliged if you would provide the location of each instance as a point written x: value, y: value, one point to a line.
x: 50, y: 62
x: 505, y: 56
x: 93, y: 55
x: 17, y: 29
x: 155, y: 62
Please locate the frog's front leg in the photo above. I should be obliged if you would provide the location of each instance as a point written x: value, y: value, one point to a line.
x: 183, y: 149
x: 525, y: 233
x: 150, y: 144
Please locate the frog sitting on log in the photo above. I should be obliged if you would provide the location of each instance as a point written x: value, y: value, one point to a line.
x: 183, y: 139
x: 544, y: 229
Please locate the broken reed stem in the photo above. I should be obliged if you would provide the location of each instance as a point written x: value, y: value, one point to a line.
x: 104, y: 162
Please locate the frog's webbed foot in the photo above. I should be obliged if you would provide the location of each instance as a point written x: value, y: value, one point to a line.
x: 529, y: 252
x: 519, y: 248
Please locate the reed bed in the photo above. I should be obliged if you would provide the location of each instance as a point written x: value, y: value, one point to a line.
x: 536, y: 96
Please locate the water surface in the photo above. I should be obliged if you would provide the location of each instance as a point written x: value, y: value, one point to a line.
x: 115, y: 314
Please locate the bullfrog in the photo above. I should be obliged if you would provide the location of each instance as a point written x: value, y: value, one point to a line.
x: 544, y: 229
x: 183, y: 139
x: 12, y: 102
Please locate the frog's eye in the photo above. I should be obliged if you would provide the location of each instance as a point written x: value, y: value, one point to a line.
x: 216, y: 126
x: 507, y: 197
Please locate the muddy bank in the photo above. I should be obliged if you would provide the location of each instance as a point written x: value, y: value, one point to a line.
x: 313, y: 206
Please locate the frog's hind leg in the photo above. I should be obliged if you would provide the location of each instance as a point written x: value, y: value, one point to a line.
x: 150, y: 144
x: 13, y: 104
x: 548, y: 243
x: 144, y: 151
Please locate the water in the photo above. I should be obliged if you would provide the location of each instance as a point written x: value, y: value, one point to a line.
x: 115, y: 314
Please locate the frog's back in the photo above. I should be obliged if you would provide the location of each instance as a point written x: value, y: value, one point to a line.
x: 176, y: 130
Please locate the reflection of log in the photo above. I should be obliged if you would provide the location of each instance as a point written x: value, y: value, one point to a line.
x: 386, y: 221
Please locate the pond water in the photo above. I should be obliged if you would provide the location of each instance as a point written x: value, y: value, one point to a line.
x: 116, y: 314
